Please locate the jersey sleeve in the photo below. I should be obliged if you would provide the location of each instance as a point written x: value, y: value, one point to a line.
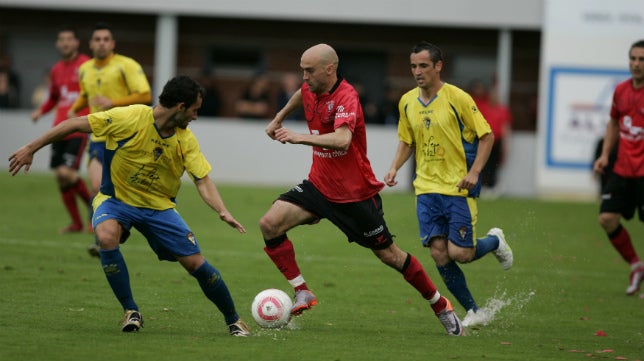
x: 136, y: 80
x: 195, y: 162
x: 114, y: 124
x: 405, y: 132
x: 474, y: 122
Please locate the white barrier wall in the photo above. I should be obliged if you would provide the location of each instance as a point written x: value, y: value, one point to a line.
x: 241, y: 153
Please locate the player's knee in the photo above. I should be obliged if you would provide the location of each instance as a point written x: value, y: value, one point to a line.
x: 439, y: 254
x: 107, y: 237
x: 268, y: 226
x: 608, y: 221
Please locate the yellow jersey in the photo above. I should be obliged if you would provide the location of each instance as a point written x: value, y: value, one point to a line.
x: 141, y: 168
x: 444, y: 133
x: 119, y: 77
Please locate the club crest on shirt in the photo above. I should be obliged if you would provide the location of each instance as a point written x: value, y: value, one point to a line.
x: 157, y: 153
x: 462, y: 232
x: 191, y: 238
x: 108, y: 121
x: 427, y: 122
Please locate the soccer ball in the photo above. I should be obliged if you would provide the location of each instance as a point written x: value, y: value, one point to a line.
x: 272, y: 308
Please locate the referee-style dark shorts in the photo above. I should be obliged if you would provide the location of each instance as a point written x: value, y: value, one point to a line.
x: 67, y: 152
x: 363, y: 222
x: 623, y: 195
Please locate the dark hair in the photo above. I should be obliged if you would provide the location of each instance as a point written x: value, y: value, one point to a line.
x: 180, y: 89
x: 68, y: 29
x: 637, y: 44
x: 435, y: 53
x: 101, y: 25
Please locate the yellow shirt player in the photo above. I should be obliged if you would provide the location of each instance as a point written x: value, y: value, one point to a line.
x: 148, y: 150
x: 445, y: 133
x: 145, y: 167
x: 107, y: 80
x: 452, y: 142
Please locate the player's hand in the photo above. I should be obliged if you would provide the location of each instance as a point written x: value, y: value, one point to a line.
x: 228, y: 218
x: 101, y: 102
x: 22, y: 157
x: 272, y: 127
x: 35, y: 115
x: 468, y: 182
x: 390, y: 178
x: 285, y: 135
x: 600, y: 164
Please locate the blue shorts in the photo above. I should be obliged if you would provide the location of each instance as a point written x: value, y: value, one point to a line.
x: 165, y: 231
x: 453, y: 217
x: 96, y: 150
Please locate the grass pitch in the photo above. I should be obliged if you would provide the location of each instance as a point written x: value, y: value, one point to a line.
x: 563, y: 299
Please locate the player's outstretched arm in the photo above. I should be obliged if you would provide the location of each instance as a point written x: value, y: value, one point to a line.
x: 403, y: 153
x: 209, y: 193
x: 24, y: 156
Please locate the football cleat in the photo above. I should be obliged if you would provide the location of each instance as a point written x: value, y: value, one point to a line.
x: 473, y: 318
x: 450, y: 321
x: 304, y: 300
x: 636, y: 278
x: 503, y: 253
x: 93, y: 249
x: 72, y: 228
x: 132, y: 321
x: 239, y: 329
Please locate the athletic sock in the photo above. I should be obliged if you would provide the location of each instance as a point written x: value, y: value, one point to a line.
x: 69, y: 200
x: 118, y: 277
x: 416, y: 276
x: 485, y: 245
x: 455, y: 281
x: 280, y: 251
x: 81, y: 190
x: 621, y: 240
x: 215, y: 289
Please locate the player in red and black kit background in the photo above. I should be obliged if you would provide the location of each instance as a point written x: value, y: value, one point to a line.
x: 624, y: 189
x: 67, y: 154
x: 341, y: 185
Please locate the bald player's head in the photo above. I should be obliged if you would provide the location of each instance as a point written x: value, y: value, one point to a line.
x: 319, y: 64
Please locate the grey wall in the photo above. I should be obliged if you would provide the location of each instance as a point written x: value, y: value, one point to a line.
x: 241, y: 153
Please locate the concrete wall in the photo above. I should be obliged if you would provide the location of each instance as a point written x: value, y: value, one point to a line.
x: 241, y: 153
x: 523, y: 14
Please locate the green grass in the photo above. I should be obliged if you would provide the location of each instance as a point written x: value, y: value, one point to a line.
x: 567, y: 283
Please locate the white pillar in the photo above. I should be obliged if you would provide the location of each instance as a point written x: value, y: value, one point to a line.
x: 165, y: 53
x: 504, y: 65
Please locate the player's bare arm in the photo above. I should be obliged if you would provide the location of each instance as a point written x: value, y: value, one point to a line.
x: 338, y: 140
x: 210, y: 194
x: 610, y: 139
x: 482, y: 154
x: 293, y: 103
x: 403, y: 153
x: 25, y: 155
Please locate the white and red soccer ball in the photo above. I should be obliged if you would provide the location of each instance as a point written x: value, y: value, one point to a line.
x: 272, y: 308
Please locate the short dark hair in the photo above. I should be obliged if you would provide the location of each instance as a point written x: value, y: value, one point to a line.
x: 637, y: 44
x: 68, y: 29
x: 180, y: 89
x: 435, y: 53
x: 101, y: 25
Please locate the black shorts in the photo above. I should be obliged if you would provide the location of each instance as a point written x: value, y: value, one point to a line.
x: 623, y: 195
x: 67, y: 152
x: 363, y: 222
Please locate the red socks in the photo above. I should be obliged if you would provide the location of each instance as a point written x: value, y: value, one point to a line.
x: 283, y: 255
x: 621, y: 240
x: 69, y: 200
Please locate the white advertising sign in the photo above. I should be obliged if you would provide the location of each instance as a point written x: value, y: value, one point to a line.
x: 585, y: 46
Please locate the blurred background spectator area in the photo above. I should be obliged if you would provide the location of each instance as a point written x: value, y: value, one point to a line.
x: 230, y: 51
